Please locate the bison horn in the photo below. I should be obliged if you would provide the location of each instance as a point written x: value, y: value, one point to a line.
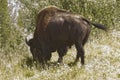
x: 27, y: 42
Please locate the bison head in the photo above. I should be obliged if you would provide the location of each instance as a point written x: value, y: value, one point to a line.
x: 39, y: 54
x: 35, y: 50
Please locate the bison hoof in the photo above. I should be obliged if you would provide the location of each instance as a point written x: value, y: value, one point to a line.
x: 60, y: 60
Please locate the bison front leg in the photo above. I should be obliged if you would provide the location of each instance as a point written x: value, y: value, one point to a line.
x: 80, y: 53
x: 61, y: 51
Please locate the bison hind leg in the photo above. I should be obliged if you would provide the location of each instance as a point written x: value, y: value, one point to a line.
x: 80, y: 53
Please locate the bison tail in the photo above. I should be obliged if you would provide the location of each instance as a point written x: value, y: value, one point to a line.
x: 97, y: 25
x: 100, y: 26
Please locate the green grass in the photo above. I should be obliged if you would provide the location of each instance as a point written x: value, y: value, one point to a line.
x: 102, y: 51
x: 102, y: 62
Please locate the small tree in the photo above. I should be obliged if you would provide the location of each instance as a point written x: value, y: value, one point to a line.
x: 10, y: 36
x: 5, y: 27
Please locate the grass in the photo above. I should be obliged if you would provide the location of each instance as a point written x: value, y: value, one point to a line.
x: 102, y: 51
x: 102, y: 62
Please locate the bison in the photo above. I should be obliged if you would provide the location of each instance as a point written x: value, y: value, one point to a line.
x: 57, y: 30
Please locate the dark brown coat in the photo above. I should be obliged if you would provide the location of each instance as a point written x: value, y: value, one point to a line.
x: 57, y: 30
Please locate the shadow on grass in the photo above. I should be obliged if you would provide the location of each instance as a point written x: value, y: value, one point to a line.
x: 29, y: 63
x: 72, y: 64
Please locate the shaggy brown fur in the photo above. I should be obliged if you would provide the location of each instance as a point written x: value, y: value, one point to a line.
x: 45, y: 15
x: 57, y: 30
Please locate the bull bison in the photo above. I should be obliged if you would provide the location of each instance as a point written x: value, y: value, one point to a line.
x: 57, y: 30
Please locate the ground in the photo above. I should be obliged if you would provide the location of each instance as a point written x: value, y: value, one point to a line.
x: 102, y: 62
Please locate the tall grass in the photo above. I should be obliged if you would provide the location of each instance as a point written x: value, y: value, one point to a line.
x: 101, y: 52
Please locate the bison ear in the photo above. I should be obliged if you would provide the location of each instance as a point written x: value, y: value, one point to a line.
x: 27, y: 42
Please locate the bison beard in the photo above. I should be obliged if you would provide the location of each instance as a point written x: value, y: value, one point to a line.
x: 57, y: 30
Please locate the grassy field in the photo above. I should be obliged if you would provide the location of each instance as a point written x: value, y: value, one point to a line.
x: 102, y: 51
x: 102, y: 62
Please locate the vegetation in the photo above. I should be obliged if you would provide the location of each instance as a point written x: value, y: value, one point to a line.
x: 102, y: 60
x: 4, y: 23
